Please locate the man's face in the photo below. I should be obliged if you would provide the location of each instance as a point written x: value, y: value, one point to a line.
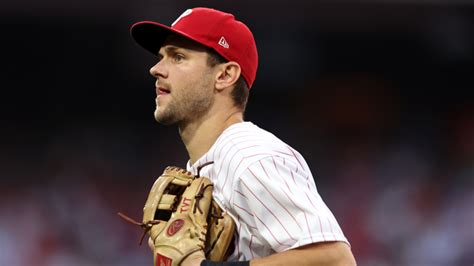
x: 184, y: 81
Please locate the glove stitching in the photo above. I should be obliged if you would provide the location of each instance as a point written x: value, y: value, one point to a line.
x: 199, y: 196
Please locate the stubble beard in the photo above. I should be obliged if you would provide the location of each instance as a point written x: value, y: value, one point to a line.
x: 187, y: 105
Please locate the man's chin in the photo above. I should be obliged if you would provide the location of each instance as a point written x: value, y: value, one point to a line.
x: 164, y: 120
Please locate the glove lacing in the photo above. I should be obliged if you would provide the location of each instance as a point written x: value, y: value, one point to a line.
x: 146, y: 226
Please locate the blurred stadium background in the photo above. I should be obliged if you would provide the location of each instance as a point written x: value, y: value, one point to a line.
x: 376, y: 94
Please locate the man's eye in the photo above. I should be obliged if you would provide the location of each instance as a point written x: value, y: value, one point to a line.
x: 178, y: 57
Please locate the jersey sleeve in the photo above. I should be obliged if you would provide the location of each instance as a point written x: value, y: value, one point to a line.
x: 278, y: 197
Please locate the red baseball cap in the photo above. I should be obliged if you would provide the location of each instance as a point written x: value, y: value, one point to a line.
x: 212, y: 28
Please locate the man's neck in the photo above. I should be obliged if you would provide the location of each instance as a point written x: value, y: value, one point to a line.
x: 199, y: 136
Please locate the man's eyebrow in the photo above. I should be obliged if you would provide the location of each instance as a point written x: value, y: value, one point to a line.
x: 167, y: 50
x: 170, y: 49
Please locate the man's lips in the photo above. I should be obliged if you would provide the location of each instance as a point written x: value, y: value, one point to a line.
x: 162, y: 91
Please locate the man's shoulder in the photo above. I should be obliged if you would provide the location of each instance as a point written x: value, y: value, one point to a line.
x: 249, y: 142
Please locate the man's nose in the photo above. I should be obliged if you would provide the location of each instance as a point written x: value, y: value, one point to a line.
x: 158, y: 70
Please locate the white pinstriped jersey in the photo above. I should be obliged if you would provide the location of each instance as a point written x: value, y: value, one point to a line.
x: 268, y: 188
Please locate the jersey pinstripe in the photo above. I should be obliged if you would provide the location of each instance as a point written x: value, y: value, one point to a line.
x: 268, y: 188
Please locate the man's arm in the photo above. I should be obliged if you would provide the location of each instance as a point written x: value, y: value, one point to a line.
x: 323, y: 253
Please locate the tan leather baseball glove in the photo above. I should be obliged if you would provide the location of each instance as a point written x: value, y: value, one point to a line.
x: 181, y: 218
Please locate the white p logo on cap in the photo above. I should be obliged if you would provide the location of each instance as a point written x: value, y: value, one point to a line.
x: 185, y: 13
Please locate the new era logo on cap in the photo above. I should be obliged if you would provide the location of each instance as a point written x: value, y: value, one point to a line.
x: 223, y: 43
x: 208, y: 27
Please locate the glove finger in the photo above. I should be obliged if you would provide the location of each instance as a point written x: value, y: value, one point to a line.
x: 154, y: 197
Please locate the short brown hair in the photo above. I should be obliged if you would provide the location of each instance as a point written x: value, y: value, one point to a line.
x: 240, y: 93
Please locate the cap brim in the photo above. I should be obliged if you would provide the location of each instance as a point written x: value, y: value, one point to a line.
x: 151, y: 35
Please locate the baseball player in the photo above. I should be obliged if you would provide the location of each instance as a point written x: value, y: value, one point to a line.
x: 207, y: 63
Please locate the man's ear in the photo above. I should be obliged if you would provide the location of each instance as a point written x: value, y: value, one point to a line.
x: 227, y: 75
